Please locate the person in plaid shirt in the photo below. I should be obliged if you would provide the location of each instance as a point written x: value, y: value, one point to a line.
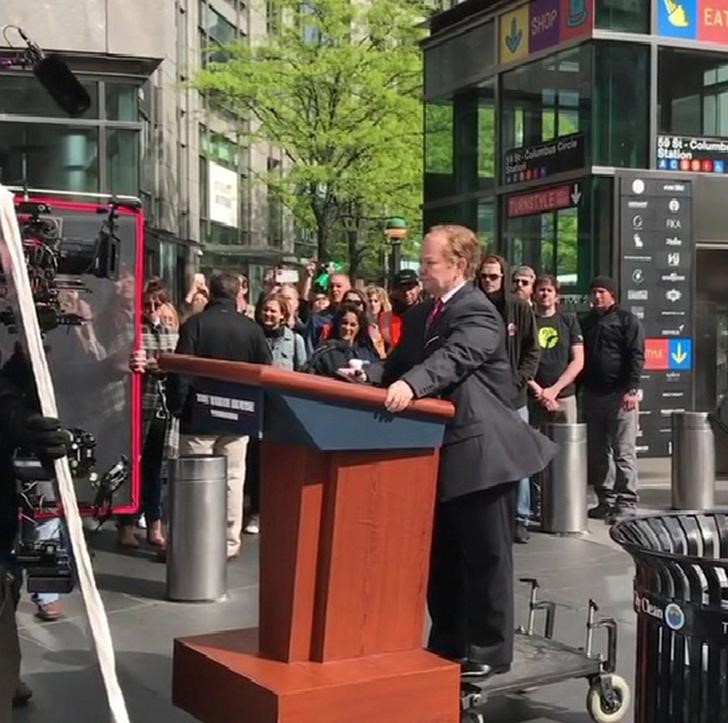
x: 159, y: 336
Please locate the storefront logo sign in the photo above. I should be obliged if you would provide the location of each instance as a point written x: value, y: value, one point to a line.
x: 705, y: 20
x: 512, y: 28
x: 576, y: 18
x: 677, y: 18
x: 542, y: 24
x: 713, y: 21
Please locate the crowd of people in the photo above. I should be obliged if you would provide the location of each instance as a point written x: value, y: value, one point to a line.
x: 321, y: 324
x: 524, y: 358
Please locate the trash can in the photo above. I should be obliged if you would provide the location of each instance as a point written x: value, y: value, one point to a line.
x: 693, y: 461
x: 563, y: 486
x: 197, y: 544
x: 681, y: 601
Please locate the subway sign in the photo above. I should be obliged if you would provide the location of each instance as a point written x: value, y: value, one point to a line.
x: 692, y: 154
x: 544, y: 200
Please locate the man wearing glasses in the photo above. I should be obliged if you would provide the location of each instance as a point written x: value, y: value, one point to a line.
x: 523, y: 354
x: 524, y: 277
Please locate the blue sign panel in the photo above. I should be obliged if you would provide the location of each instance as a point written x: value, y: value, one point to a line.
x: 677, y: 18
x: 221, y: 407
x: 680, y: 355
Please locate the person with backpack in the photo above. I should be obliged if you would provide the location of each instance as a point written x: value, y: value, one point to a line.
x: 614, y: 349
x: 553, y: 389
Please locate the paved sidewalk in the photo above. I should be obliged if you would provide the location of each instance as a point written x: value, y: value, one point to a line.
x: 60, y: 668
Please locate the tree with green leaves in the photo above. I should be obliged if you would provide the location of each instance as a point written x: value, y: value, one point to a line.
x: 337, y: 88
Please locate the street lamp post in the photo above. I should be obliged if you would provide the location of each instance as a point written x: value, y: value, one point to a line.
x: 396, y: 232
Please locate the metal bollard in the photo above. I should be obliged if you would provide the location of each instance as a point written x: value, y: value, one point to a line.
x: 197, y: 546
x: 564, y: 493
x: 693, y: 461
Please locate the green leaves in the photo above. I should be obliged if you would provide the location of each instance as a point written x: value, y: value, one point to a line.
x: 338, y: 89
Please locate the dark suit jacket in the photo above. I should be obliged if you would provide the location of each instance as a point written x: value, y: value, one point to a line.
x: 462, y: 358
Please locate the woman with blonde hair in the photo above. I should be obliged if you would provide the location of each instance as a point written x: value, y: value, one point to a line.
x: 378, y: 300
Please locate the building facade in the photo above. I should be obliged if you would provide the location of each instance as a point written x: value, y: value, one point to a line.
x: 147, y: 134
x: 591, y: 136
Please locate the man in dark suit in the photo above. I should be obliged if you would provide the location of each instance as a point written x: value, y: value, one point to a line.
x: 453, y: 346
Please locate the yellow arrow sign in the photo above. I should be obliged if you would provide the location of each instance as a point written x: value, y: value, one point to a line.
x: 679, y: 355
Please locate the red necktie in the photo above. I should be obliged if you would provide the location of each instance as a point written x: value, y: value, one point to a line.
x: 434, y: 315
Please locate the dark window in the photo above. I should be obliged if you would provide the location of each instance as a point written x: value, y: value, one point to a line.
x: 627, y: 17
x: 50, y: 156
x: 122, y: 102
x: 621, y: 108
x: 475, y: 139
x: 24, y: 95
x: 439, y: 166
x: 692, y: 93
x: 122, y: 159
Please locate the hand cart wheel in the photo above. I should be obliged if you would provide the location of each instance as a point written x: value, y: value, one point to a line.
x: 608, y: 699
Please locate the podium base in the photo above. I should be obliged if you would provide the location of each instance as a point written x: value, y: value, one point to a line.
x: 219, y: 678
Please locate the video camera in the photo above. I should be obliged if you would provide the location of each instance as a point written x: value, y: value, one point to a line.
x: 47, y: 563
x: 56, y: 262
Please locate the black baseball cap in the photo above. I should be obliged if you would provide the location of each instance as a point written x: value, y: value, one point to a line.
x: 406, y: 277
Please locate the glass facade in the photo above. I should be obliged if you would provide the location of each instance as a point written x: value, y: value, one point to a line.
x: 692, y: 93
x: 621, y: 16
x: 43, y: 148
x: 23, y: 95
x: 547, y: 99
x: 621, y: 110
x: 596, y: 92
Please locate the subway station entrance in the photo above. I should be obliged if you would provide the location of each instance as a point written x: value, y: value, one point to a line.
x: 550, y: 125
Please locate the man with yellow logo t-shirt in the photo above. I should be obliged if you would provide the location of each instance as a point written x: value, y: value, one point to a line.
x: 553, y: 392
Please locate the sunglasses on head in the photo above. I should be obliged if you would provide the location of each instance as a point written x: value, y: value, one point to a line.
x: 491, y: 277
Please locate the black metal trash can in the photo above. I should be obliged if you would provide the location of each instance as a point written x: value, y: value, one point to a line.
x: 681, y: 601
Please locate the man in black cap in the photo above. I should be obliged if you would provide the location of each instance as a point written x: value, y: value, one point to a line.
x: 614, y: 356
x: 406, y: 293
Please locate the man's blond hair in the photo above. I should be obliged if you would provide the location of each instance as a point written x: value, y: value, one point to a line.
x: 462, y: 243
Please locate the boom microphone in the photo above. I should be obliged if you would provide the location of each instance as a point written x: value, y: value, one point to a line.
x: 63, y: 86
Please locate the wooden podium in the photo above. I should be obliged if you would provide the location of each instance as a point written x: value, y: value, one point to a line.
x: 347, y: 501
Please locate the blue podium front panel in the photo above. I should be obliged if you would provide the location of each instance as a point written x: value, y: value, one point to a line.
x: 332, y: 425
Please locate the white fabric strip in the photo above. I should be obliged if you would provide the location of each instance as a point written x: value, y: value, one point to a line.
x: 14, y: 259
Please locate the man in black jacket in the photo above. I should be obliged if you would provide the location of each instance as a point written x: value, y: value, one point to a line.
x: 453, y: 346
x: 523, y: 354
x: 614, y: 357
x: 218, y: 332
x: 21, y: 427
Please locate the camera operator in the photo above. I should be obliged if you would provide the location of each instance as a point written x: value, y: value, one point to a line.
x: 20, y: 428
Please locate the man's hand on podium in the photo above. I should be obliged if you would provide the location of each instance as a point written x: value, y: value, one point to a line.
x: 399, y: 395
